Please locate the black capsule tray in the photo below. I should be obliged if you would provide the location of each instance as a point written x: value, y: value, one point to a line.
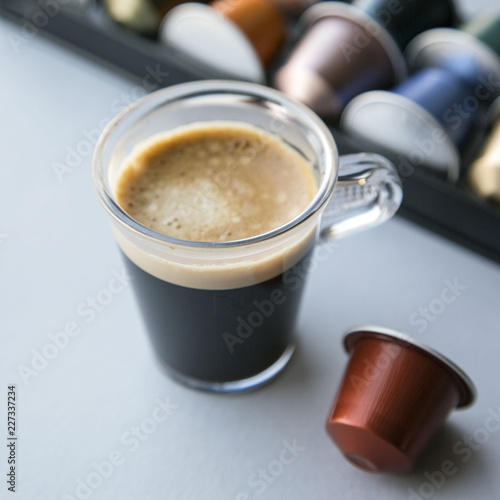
x: 450, y: 210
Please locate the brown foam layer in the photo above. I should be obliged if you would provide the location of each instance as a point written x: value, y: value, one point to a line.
x: 216, y: 183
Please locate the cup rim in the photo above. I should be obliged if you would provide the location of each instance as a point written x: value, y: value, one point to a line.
x: 172, y: 94
x: 467, y: 389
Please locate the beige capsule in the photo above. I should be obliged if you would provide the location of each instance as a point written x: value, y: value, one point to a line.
x: 142, y: 16
x: 484, y: 173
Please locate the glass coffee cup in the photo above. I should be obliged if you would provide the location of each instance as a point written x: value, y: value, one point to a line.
x: 221, y: 315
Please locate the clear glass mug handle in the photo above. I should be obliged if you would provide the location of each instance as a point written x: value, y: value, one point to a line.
x: 368, y: 192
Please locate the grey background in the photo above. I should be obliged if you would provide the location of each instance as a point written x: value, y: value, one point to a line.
x: 56, y: 251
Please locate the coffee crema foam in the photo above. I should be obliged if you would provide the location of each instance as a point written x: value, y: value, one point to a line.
x: 216, y: 184
x: 219, y: 182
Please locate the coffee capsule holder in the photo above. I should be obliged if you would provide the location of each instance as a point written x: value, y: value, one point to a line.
x: 458, y: 210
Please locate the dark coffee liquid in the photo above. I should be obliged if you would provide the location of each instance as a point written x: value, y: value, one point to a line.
x: 219, y: 335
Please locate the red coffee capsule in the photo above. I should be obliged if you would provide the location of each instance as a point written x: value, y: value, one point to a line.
x: 394, y: 396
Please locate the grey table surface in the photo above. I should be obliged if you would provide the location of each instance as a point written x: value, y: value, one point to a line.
x: 85, y: 409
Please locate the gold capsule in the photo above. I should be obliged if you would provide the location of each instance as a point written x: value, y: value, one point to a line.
x: 484, y: 173
x: 141, y: 16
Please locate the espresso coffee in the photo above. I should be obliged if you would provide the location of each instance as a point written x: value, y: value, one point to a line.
x: 215, y: 184
x: 231, y: 320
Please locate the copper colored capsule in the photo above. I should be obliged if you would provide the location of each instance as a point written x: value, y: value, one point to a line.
x: 394, y: 396
x: 484, y: 173
x: 229, y: 39
x: 342, y: 53
x: 260, y: 20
